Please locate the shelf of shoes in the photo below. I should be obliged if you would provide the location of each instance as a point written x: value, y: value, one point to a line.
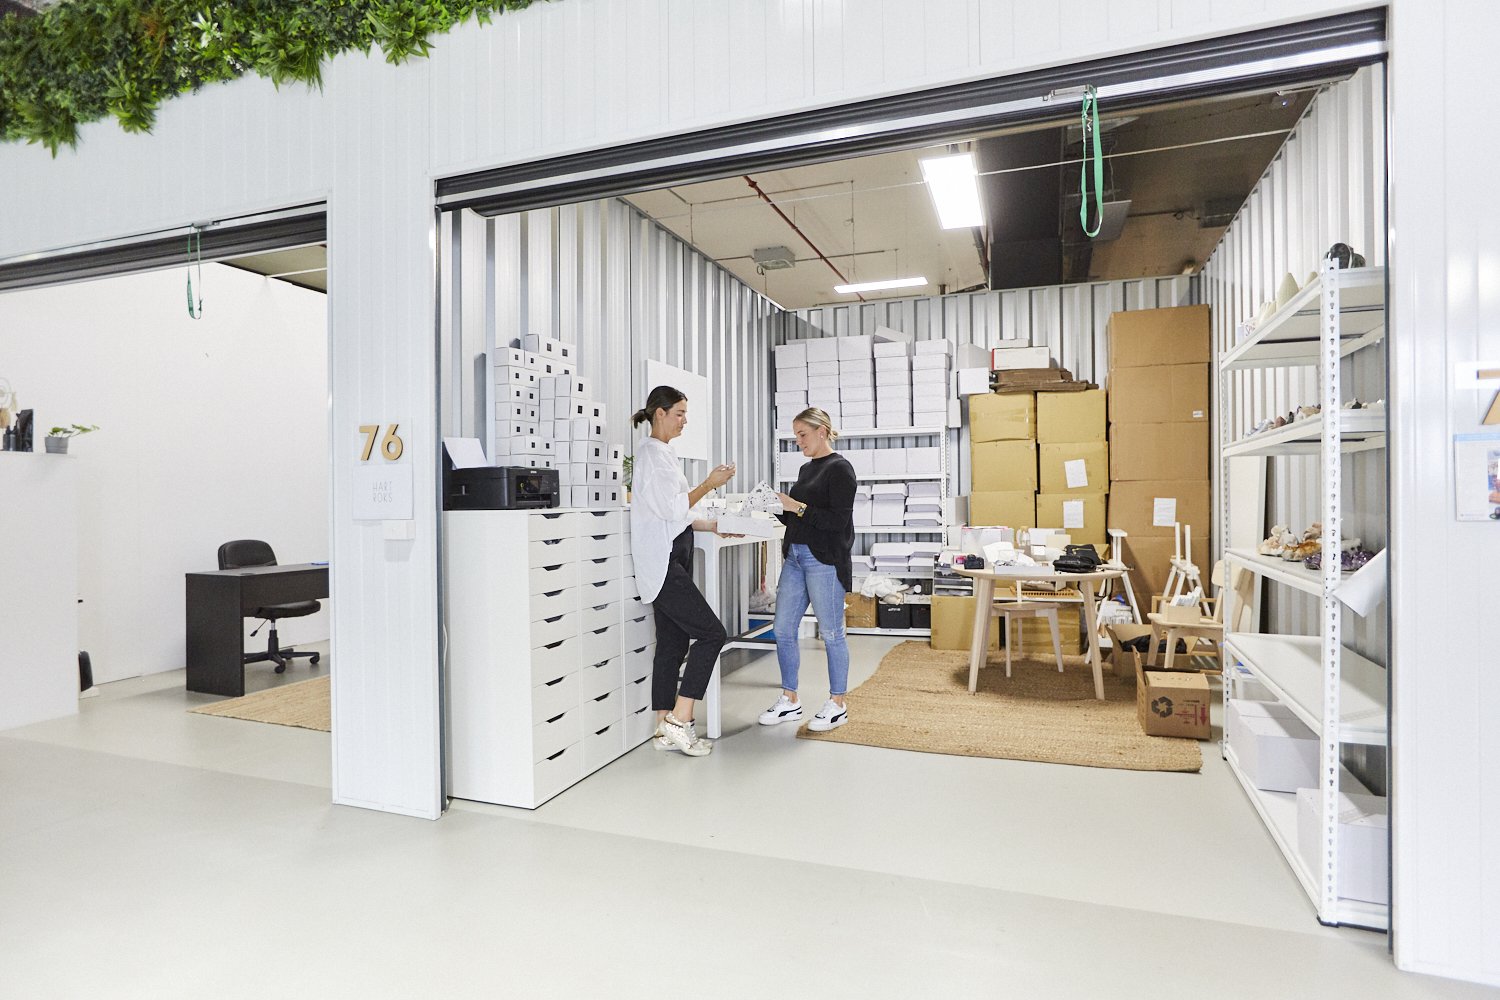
x: 1359, y: 430
x: 1289, y: 336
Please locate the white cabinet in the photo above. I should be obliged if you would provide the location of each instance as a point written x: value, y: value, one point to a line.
x: 542, y: 686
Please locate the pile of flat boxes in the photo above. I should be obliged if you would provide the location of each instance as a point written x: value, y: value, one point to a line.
x: 880, y: 381
x: 545, y: 419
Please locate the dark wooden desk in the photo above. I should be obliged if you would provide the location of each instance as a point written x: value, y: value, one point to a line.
x: 218, y: 602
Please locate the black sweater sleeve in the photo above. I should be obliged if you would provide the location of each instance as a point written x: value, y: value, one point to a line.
x: 835, y: 514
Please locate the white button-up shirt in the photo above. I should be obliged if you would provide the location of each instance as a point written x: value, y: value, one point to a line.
x: 658, y: 511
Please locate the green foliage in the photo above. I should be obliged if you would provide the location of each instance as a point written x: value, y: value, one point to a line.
x: 80, y: 60
x: 72, y: 431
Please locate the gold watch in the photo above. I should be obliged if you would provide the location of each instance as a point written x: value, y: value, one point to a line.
x: 802, y: 510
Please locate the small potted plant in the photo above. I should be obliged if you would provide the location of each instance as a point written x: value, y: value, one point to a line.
x: 57, y: 437
x: 626, y: 467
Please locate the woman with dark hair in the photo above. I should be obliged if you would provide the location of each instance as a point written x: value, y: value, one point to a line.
x: 661, y: 540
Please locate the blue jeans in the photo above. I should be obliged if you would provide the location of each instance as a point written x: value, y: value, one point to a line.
x: 804, y: 579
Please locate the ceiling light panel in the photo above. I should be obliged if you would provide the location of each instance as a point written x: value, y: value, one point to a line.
x: 879, y: 286
x: 954, y: 186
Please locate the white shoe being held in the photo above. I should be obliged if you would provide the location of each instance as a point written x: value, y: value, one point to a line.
x: 682, y: 736
x: 830, y: 716
x: 785, y: 710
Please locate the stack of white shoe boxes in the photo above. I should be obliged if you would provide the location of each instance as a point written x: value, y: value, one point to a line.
x: 791, y: 383
x: 519, y: 440
x: 930, y: 376
x: 589, y: 469
x: 856, y: 383
x: 823, y: 377
x: 893, y: 386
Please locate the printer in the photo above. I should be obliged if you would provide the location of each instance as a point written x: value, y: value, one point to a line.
x: 489, y: 487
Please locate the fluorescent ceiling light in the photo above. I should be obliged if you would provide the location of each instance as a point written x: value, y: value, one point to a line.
x: 876, y: 286
x: 954, y: 186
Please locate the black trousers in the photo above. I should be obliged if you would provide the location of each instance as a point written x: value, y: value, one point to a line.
x: 685, y: 626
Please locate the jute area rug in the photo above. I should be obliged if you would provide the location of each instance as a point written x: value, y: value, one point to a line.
x: 304, y: 705
x: 918, y: 699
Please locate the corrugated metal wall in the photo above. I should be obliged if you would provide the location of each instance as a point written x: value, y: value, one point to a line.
x: 1070, y: 320
x: 1326, y: 186
x: 624, y: 290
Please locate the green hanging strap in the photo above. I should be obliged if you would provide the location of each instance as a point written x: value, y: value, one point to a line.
x: 1091, y: 134
x: 196, y: 312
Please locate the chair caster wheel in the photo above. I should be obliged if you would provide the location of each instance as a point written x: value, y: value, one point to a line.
x: 281, y: 668
x: 314, y: 658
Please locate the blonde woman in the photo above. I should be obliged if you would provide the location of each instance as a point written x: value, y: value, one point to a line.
x: 819, y: 516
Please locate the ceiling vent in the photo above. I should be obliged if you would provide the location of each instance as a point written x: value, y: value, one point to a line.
x: 1217, y: 213
x: 772, y: 259
x: 1113, y: 221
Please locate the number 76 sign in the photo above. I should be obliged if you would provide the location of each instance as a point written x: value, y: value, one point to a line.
x: 382, y: 481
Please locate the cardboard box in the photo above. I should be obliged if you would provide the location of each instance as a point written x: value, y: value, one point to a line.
x: 1003, y: 467
x: 931, y: 380
x: 1159, y: 394
x: 1002, y: 358
x: 793, y: 355
x: 931, y: 362
x: 1148, y: 509
x: 1010, y: 417
x: 1276, y: 754
x: 899, y: 363
x: 1035, y: 635
x: 859, y: 611
x: 791, y: 379
x: 1081, y: 515
x: 953, y: 624
x: 935, y: 346
x: 858, y: 393
x: 1010, y: 510
x: 1236, y: 709
x: 1071, y: 416
x: 973, y: 381
x: 856, y: 348
x: 1081, y: 467
x: 822, y: 349
x: 1143, y: 337
x: 1158, y: 451
x: 892, y: 349
x: 822, y: 369
x: 1174, y: 704
x: 822, y: 383
x: 1149, y: 560
x: 1363, y: 839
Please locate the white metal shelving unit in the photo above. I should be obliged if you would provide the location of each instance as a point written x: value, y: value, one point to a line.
x: 1339, y: 694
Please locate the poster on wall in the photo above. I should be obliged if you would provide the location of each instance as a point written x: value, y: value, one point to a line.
x: 694, y: 442
x: 1476, y: 473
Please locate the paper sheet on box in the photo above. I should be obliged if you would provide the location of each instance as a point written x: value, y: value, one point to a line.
x: 1073, y: 512
x: 1163, y: 512
x: 1077, y: 474
x: 466, y: 453
x: 1363, y: 591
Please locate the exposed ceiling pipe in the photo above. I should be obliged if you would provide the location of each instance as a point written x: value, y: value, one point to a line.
x: 777, y: 209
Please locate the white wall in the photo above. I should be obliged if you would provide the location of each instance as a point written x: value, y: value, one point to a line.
x: 211, y: 430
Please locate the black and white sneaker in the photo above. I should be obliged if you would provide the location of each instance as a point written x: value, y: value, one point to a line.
x: 830, y: 716
x: 785, y: 710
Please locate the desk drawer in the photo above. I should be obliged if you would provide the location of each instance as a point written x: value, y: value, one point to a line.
x: 630, y: 588
x: 641, y: 632
x: 553, y: 551
x: 602, y: 644
x: 603, y: 522
x: 634, y: 608
x: 637, y: 662
x: 557, y: 660
x: 639, y: 727
x: 563, y: 524
x: 592, y: 619
x: 561, y: 730
x: 637, y: 695
x: 549, y: 579
x: 601, y: 570
x: 549, y: 631
x: 593, y: 595
x: 604, y: 745
x: 600, y: 546
x: 602, y: 711
x: 554, y: 698
x: 595, y: 679
x: 551, y: 605
x: 556, y: 772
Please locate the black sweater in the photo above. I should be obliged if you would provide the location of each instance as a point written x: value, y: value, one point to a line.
x: 827, y: 486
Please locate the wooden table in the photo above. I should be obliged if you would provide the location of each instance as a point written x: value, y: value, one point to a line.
x: 984, y: 597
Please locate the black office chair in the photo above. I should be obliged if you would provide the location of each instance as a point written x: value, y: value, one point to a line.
x: 253, y: 552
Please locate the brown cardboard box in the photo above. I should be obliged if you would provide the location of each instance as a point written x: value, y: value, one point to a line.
x: 1003, y: 467
x: 1010, y: 510
x: 1051, y: 513
x: 1132, y: 506
x: 1070, y: 416
x: 1174, y: 704
x: 859, y: 611
x: 1158, y: 451
x: 1011, y: 417
x: 1150, y: 560
x: 1142, y: 337
x: 953, y: 623
x: 1160, y: 394
x: 1053, y: 459
x: 1036, y: 634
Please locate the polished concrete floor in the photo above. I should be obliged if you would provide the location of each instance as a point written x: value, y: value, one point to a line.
x: 147, y: 852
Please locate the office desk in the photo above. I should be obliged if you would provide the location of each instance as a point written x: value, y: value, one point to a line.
x: 711, y: 545
x: 216, y: 604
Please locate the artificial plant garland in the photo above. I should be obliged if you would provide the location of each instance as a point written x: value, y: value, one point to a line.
x: 80, y: 60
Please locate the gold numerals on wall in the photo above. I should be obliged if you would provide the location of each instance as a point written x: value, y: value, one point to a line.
x: 391, y: 446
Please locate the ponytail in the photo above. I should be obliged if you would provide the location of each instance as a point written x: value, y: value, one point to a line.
x: 663, y: 397
x: 639, y: 418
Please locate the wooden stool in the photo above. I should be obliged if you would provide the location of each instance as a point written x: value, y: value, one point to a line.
x: 1020, y: 609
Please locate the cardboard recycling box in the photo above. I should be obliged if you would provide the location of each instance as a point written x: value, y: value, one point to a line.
x: 1008, y: 417
x: 1071, y: 416
x: 1009, y: 510
x: 1003, y: 467
x: 1081, y: 515
x: 1159, y: 394
x: 859, y: 611
x: 1158, y: 451
x: 1074, y: 467
x: 1172, y: 704
x: 1134, y: 507
x: 1143, y: 337
x: 953, y: 623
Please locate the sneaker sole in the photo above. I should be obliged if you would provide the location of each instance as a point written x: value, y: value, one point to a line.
x: 813, y: 726
x: 780, y: 719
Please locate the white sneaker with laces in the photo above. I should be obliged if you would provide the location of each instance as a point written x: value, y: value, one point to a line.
x: 683, y: 736
x: 830, y: 716
x: 785, y: 710
x: 660, y: 741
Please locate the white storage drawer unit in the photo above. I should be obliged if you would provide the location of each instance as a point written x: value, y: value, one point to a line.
x: 537, y: 607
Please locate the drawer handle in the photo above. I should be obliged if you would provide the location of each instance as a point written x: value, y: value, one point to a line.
x: 603, y: 696
x: 555, y: 618
x: 558, y: 681
x: 550, y: 569
x: 559, y: 753
x: 637, y: 652
x: 552, y: 541
x: 550, y: 517
x: 639, y: 680
x: 599, y: 538
x: 601, y: 732
x: 554, y: 718
x: 554, y: 645
x: 642, y: 711
x: 601, y: 663
x: 601, y: 631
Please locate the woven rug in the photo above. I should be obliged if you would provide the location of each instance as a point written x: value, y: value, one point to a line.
x: 919, y: 699
x: 303, y: 704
